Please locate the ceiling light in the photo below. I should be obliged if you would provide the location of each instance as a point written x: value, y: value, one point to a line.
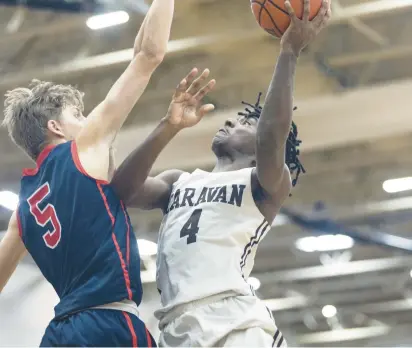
x: 410, y: 273
x: 107, y: 20
x: 327, y: 242
x: 397, y: 185
x: 329, y: 311
x: 254, y: 283
x: 146, y: 247
x: 9, y: 200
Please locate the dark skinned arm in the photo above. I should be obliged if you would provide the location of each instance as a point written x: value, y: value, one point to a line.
x: 272, y: 177
x: 274, y: 126
x: 131, y: 180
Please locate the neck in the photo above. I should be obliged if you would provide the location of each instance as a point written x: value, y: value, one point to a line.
x: 57, y: 141
x: 226, y: 164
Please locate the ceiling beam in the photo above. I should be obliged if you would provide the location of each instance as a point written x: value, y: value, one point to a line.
x: 114, y: 58
x: 392, y: 52
x: 321, y: 272
x: 371, y: 9
x: 326, y: 122
x: 123, y: 56
x: 343, y: 335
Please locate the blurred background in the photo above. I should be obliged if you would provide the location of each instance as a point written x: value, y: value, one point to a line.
x: 336, y: 268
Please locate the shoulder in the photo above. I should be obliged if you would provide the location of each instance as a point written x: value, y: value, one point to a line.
x: 269, y: 204
x: 170, y: 176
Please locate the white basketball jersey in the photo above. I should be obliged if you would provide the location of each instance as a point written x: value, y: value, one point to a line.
x: 208, y: 237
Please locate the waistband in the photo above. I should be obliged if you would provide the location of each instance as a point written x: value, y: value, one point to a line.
x: 124, y: 306
x: 166, y: 316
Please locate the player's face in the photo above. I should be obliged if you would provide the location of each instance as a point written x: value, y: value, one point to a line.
x: 238, y: 136
x: 70, y: 124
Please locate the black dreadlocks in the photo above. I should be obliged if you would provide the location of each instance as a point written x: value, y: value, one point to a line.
x: 292, y: 144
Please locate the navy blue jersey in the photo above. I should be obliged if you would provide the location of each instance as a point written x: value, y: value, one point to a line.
x: 78, y: 233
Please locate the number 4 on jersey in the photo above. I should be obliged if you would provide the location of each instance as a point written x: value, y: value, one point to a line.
x: 191, y: 227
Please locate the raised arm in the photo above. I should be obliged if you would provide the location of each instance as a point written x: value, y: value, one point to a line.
x: 12, y: 250
x: 107, y: 118
x: 276, y: 118
x: 131, y: 180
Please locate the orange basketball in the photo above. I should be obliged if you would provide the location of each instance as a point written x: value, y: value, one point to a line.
x: 273, y: 17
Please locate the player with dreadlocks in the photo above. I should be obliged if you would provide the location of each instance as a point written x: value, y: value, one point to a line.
x: 214, y: 221
x: 292, y: 144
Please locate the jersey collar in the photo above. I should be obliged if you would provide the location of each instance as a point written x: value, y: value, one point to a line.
x: 40, y: 159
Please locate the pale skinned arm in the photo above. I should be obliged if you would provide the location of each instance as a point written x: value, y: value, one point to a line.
x: 12, y: 250
x: 103, y: 123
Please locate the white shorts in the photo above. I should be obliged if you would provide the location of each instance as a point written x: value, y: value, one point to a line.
x: 238, y: 321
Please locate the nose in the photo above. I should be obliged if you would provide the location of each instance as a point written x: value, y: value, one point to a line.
x: 230, y: 122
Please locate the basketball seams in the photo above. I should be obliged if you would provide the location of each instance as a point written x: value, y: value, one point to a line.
x: 275, y: 26
x: 278, y: 7
x: 259, y: 19
x: 275, y: 30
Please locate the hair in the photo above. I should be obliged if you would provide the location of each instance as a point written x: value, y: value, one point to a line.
x: 28, y: 110
x: 292, y: 144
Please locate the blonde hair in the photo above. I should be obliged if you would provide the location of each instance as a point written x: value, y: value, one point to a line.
x: 28, y: 110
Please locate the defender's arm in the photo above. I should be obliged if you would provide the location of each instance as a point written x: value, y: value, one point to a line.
x: 12, y: 250
x: 107, y: 118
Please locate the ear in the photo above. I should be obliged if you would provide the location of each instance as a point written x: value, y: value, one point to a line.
x: 55, y: 128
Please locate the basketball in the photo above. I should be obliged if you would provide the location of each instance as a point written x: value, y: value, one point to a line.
x: 273, y: 17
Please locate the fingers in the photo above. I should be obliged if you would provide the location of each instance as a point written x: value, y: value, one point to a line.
x: 306, y: 10
x: 290, y: 10
x: 182, y: 86
x: 205, y: 109
x: 323, y: 15
x: 197, y: 84
x: 205, y: 90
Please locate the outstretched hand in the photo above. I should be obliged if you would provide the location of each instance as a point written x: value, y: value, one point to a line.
x: 186, y: 108
x: 302, y: 31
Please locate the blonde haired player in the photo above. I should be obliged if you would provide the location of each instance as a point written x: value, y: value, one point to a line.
x: 214, y: 221
x: 69, y: 218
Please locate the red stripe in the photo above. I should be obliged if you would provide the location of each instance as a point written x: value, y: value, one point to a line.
x: 149, y: 339
x: 40, y: 159
x: 128, y: 234
x: 130, y: 325
x: 119, y: 252
x: 79, y: 166
x: 19, y: 222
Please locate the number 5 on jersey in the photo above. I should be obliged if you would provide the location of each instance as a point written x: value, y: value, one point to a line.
x: 191, y: 227
x: 48, y: 214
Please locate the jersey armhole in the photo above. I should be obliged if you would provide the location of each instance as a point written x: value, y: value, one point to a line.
x: 79, y: 166
x: 19, y: 223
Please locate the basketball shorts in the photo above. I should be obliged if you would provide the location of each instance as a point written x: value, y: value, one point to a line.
x: 98, y: 328
x: 238, y: 321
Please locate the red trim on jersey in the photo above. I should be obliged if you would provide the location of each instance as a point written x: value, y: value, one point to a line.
x: 19, y: 223
x: 131, y: 328
x: 116, y: 244
x: 79, y: 166
x: 127, y: 234
x: 40, y: 159
x: 149, y: 339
